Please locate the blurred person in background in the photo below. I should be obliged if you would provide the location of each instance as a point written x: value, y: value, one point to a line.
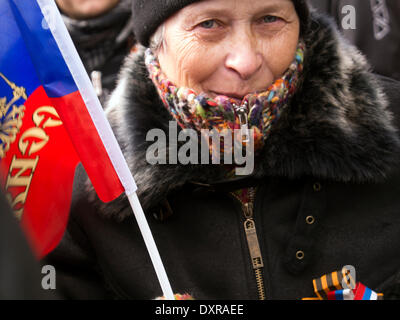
x: 20, y: 273
x: 375, y: 30
x: 102, y: 33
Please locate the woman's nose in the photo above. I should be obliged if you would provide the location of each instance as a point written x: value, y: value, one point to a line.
x: 244, y: 58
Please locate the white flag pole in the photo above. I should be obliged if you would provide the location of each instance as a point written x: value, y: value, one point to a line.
x: 60, y: 33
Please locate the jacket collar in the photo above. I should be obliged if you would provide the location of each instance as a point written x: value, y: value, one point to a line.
x: 338, y: 126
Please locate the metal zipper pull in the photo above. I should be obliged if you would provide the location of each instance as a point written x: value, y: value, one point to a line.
x: 252, y: 242
x: 241, y: 112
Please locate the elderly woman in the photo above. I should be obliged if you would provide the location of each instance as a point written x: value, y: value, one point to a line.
x: 324, y: 191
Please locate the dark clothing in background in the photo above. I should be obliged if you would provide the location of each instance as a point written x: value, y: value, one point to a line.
x: 20, y: 274
x: 377, y: 32
x: 102, y: 43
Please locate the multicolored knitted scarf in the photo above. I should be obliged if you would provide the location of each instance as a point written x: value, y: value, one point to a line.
x: 258, y: 111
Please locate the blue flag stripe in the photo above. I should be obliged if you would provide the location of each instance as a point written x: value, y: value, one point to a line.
x: 40, y: 47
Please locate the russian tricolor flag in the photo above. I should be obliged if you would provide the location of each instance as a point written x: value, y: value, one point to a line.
x: 50, y: 119
x: 360, y: 292
x: 38, y: 159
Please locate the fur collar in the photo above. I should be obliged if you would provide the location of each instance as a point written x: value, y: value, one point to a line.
x: 338, y: 126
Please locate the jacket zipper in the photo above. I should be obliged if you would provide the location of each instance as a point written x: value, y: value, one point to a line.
x: 252, y: 242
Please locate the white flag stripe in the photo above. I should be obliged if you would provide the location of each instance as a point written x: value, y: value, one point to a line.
x: 373, y: 296
x: 348, y: 294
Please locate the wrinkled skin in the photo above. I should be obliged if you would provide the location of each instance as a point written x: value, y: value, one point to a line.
x: 229, y: 47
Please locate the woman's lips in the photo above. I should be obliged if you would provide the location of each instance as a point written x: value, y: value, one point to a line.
x: 238, y: 97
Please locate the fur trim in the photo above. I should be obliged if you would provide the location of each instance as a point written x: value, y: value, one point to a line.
x: 338, y: 126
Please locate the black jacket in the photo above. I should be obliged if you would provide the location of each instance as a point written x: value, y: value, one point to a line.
x: 327, y: 194
x: 376, y: 33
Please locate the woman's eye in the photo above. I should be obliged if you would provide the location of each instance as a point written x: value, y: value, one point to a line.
x: 209, y: 24
x: 270, y: 19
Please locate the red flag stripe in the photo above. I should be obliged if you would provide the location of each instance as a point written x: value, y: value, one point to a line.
x: 89, y: 145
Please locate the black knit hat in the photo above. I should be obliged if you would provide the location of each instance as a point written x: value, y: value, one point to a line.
x: 149, y: 14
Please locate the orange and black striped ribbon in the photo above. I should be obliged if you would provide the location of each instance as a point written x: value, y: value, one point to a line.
x: 337, y: 280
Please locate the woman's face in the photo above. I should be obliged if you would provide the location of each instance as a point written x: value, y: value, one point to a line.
x: 229, y: 47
